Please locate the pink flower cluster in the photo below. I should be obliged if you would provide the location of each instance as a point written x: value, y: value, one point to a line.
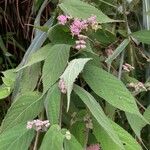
x: 137, y: 86
x: 38, y: 125
x: 93, y: 147
x: 77, y: 26
x: 62, y: 86
x: 127, y: 67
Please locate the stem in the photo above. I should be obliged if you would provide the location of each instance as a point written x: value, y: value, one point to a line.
x: 36, y: 140
x: 86, y: 138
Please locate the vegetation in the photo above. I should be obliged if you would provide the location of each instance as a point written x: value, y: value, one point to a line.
x: 75, y: 74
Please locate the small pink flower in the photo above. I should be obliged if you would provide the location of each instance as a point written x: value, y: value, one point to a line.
x: 82, y: 37
x: 93, y: 147
x: 92, y: 20
x: 62, y: 86
x: 62, y: 19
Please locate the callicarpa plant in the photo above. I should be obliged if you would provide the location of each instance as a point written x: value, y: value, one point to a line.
x: 84, y: 80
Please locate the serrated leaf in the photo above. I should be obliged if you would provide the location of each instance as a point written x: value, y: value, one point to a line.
x: 97, y: 113
x: 37, y: 56
x: 55, y: 64
x: 110, y: 89
x: 53, y: 139
x: 4, y: 91
x: 24, y: 108
x: 129, y: 143
x: 17, y: 138
x: 80, y: 9
x: 117, y: 51
x: 142, y: 36
x: 72, y: 144
x: 71, y: 73
x: 52, y: 104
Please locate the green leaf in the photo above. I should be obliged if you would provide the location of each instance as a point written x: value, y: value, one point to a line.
x: 110, y: 89
x: 4, y: 91
x: 97, y: 113
x: 137, y: 123
x: 52, y: 104
x: 72, y: 144
x: 71, y: 73
x: 142, y: 36
x: 24, y: 108
x: 59, y: 34
x: 118, y: 50
x: 80, y: 9
x: 129, y: 143
x: 55, y: 64
x: 16, y: 138
x: 53, y: 139
x: 37, y: 56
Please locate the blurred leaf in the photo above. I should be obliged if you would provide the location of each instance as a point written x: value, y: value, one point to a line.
x: 38, y: 56
x: 110, y: 89
x: 52, y: 104
x: 72, y: 144
x: 55, y: 64
x: 80, y: 9
x: 4, y: 91
x: 97, y: 113
x: 118, y: 50
x: 71, y: 73
x: 53, y: 139
x: 142, y: 36
x: 16, y: 138
x: 24, y: 108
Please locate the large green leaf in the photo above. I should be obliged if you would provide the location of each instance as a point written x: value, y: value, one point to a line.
x: 142, y: 36
x: 52, y: 104
x: 16, y: 138
x: 55, y: 64
x: 118, y: 50
x: 53, y: 139
x: 80, y: 9
x: 110, y: 89
x: 129, y: 143
x: 98, y: 113
x: 38, y: 56
x: 24, y: 108
x: 72, y: 144
x: 71, y: 73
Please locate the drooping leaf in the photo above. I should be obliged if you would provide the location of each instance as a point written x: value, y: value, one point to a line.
x: 137, y: 123
x: 4, y: 91
x: 55, y: 64
x: 38, y: 56
x: 52, y: 104
x: 117, y: 51
x: 97, y: 113
x: 110, y: 89
x: 142, y: 36
x: 53, y: 139
x: 129, y: 143
x: 71, y: 73
x: 80, y: 9
x: 24, y: 108
x: 17, y: 138
x: 72, y: 144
